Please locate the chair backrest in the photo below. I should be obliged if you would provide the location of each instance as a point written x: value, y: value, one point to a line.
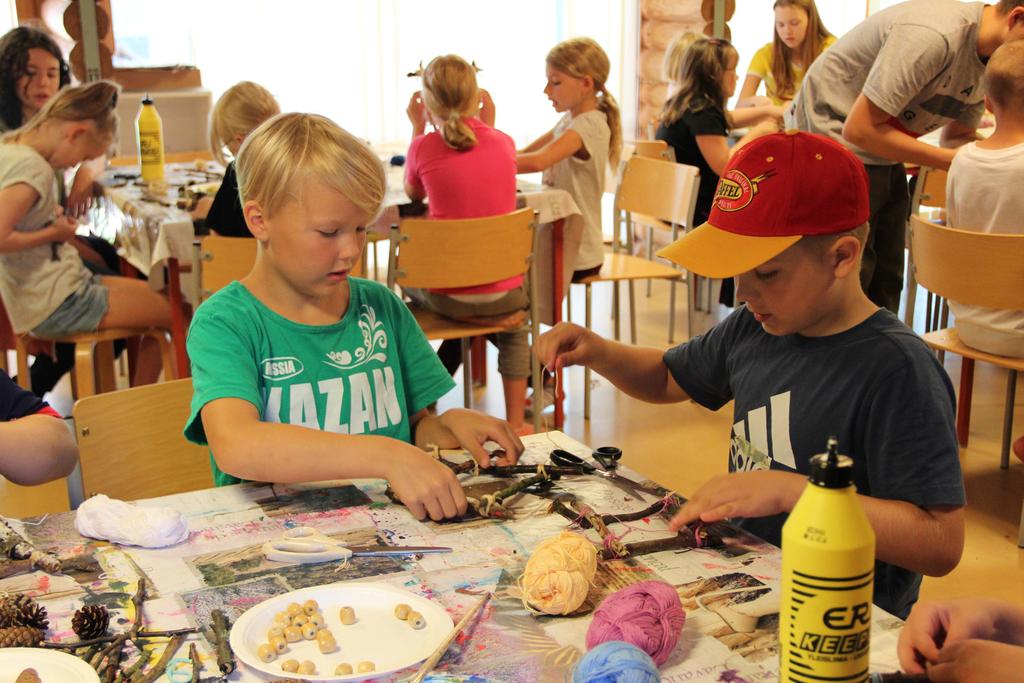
x: 219, y: 261
x: 131, y: 444
x: 438, y: 254
x: 976, y: 268
x: 654, y: 149
x: 929, y: 190
x: 662, y: 189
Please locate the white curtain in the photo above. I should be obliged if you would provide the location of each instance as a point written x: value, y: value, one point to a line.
x: 349, y: 59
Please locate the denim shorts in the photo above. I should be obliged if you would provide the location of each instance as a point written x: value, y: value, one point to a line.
x: 80, y: 312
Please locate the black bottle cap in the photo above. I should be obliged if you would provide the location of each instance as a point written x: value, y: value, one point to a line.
x: 831, y: 470
x: 147, y: 99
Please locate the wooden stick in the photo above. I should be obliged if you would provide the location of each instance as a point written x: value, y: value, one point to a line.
x: 54, y: 645
x: 433, y: 659
x: 492, y: 501
x: 608, y: 539
x: 138, y: 599
x: 158, y: 669
x: 14, y: 545
x: 197, y: 666
x: 684, y: 539
x: 13, y: 567
x: 225, y: 657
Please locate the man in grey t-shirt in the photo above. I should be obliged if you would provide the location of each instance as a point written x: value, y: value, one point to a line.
x: 903, y: 72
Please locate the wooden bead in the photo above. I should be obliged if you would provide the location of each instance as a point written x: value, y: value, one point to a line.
x: 307, y: 667
x: 300, y: 620
x: 293, y: 634
x: 348, y: 616
x: 290, y: 665
x: 279, y: 644
x: 402, y: 611
x: 324, y: 634
x: 266, y: 653
x: 310, y: 606
x: 309, y: 631
x: 283, y: 618
x: 326, y: 645
x: 294, y: 609
x: 416, y: 620
x: 318, y: 619
x: 343, y: 669
x: 275, y: 632
x: 365, y: 667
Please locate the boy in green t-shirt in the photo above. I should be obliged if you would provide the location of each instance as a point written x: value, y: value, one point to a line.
x: 298, y: 343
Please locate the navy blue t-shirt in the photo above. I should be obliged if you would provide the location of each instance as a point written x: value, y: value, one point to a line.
x: 876, y: 387
x: 16, y: 402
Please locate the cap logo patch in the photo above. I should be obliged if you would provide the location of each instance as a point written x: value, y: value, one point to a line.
x: 735, y: 190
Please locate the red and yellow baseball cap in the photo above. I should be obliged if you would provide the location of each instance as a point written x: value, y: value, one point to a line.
x: 774, y: 191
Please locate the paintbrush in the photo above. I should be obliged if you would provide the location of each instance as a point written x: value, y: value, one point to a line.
x: 433, y: 659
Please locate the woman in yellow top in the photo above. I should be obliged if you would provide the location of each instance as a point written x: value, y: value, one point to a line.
x: 799, y: 38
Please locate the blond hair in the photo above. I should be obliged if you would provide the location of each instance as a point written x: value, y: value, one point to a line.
x: 1004, y: 77
x: 672, y: 64
x: 238, y: 111
x: 450, y: 93
x: 95, y: 102
x: 288, y: 149
x: 582, y: 57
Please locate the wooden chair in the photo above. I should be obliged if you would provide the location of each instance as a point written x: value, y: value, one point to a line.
x: 440, y: 254
x: 979, y: 269
x: 219, y: 261
x: 930, y: 195
x: 131, y: 443
x: 648, y: 187
x: 94, y: 357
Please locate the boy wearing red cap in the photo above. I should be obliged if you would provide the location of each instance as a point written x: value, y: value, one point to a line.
x: 808, y: 356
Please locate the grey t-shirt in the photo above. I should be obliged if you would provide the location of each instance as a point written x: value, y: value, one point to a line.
x: 918, y: 61
x: 876, y: 387
x: 35, y: 281
x: 584, y: 180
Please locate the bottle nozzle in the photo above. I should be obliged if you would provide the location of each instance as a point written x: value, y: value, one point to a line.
x: 832, y: 448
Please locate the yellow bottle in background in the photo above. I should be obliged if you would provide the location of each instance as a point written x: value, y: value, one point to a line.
x: 828, y: 564
x: 149, y: 135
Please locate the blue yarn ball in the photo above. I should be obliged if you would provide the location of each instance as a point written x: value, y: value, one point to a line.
x: 616, y: 662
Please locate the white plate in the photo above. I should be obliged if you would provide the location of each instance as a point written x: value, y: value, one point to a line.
x: 51, y: 665
x: 377, y: 636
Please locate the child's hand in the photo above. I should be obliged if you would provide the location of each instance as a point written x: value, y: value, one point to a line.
x: 417, y: 113
x: 977, y: 661
x: 934, y: 627
x: 566, y: 344
x: 741, y: 494
x: 487, y: 112
x: 63, y: 227
x: 424, y: 485
x: 472, y: 429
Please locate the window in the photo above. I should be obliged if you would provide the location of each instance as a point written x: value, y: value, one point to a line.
x: 349, y: 60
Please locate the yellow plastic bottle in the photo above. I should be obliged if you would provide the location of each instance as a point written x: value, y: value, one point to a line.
x: 149, y: 135
x: 828, y: 566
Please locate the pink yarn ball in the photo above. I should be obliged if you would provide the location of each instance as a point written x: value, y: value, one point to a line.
x: 647, y: 614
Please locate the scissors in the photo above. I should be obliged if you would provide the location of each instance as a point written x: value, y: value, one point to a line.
x: 567, y: 459
x: 306, y: 545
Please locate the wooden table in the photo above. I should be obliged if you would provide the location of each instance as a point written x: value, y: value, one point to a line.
x: 221, y: 566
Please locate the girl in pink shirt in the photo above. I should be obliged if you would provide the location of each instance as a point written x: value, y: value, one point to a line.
x: 467, y: 169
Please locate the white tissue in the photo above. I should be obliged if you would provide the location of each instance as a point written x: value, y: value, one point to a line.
x: 120, y: 522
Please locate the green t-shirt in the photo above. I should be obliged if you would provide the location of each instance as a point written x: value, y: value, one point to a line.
x: 363, y: 375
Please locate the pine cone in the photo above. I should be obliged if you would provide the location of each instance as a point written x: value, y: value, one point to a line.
x: 90, y: 622
x: 9, y: 616
x: 21, y: 610
x: 20, y: 636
